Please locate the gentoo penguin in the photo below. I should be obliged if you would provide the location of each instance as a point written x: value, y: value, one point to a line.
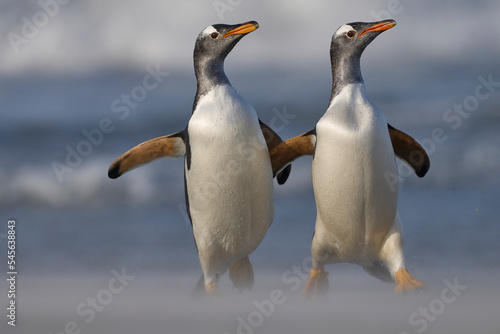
x: 228, y: 174
x: 353, y: 159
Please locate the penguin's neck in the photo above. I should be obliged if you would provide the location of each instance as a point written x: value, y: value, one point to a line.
x: 209, y: 74
x: 346, y: 70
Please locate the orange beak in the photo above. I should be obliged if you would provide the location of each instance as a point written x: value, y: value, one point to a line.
x: 243, y: 29
x: 379, y: 27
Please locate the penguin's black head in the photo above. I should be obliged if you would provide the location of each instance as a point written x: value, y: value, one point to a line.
x: 210, y: 50
x: 348, y: 43
x: 353, y: 38
x: 216, y: 41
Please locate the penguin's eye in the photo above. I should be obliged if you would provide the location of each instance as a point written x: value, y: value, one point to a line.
x: 214, y: 35
x: 351, y: 33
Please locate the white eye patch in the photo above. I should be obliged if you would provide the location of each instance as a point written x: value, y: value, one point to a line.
x: 208, y: 30
x: 343, y: 30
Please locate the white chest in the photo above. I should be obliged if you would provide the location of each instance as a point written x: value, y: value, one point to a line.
x: 229, y: 182
x: 353, y: 156
x: 223, y: 110
x: 353, y: 127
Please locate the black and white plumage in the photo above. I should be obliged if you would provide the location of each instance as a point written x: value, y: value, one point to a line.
x: 354, y: 156
x: 228, y: 174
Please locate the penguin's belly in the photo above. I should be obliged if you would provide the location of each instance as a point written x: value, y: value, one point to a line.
x: 356, y: 204
x: 228, y: 184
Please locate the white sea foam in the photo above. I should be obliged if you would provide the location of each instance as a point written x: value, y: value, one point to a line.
x: 92, y: 35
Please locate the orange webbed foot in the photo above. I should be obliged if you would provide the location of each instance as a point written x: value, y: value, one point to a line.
x: 405, y: 282
x: 317, y: 284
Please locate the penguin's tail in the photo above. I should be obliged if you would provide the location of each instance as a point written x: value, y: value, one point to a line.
x: 199, y: 290
x: 379, y: 270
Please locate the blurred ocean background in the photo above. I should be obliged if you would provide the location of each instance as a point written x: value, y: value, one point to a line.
x: 64, y: 69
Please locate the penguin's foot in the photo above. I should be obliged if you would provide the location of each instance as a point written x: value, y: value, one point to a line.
x: 405, y: 282
x: 211, y: 288
x: 317, y: 284
x: 241, y: 274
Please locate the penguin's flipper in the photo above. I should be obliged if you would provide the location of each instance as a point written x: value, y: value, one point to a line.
x: 271, y: 137
x: 273, y: 140
x: 167, y: 146
x: 293, y: 148
x: 410, y: 151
